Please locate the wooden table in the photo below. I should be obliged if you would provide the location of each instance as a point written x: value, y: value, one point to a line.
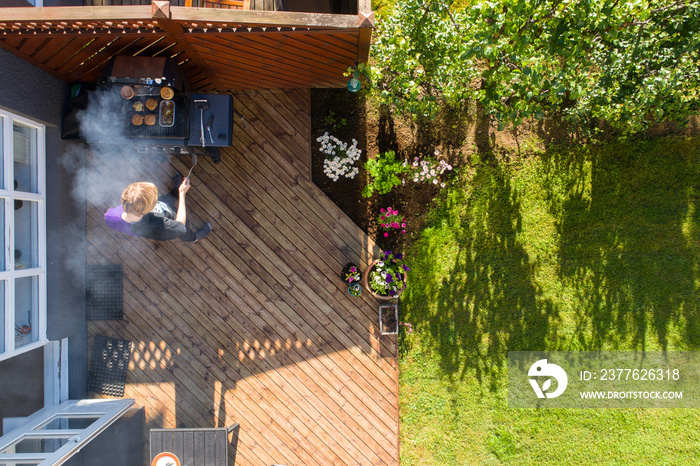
x: 193, y: 447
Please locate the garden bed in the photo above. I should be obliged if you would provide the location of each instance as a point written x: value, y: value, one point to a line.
x: 349, y: 116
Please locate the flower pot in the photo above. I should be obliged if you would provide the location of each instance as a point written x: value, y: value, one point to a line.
x: 354, y: 289
x: 347, y: 270
x: 365, y: 281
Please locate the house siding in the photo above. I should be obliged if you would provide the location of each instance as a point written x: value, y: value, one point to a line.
x: 30, y: 92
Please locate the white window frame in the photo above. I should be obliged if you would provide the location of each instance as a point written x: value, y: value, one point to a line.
x: 8, y: 196
x: 106, y: 412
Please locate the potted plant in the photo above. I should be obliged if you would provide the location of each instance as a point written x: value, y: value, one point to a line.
x: 386, y: 277
x: 351, y: 275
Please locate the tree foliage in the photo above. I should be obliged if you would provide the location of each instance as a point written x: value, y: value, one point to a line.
x: 631, y: 63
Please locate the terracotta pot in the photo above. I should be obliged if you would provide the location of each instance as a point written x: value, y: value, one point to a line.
x: 365, y: 282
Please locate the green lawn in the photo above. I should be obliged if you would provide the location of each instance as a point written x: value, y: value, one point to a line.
x: 592, y: 248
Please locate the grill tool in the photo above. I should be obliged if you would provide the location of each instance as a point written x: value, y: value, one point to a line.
x: 194, y: 163
x: 201, y: 105
x: 211, y: 122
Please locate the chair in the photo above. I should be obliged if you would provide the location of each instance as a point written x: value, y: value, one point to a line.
x: 190, y: 445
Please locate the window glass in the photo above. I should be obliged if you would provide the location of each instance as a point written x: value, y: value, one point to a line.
x: 26, y: 310
x: 68, y: 422
x: 20, y: 463
x: 2, y: 145
x: 3, y: 262
x: 2, y: 316
x: 26, y: 234
x: 24, y: 139
x: 36, y: 445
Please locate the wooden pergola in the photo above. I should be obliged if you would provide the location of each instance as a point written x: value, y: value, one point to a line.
x: 217, y: 49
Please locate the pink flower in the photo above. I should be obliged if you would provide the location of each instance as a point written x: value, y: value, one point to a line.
x: 382, y: 210
x: 351, y: 279
x: 403, y: 225
x: 382, y: 217
x: 386, y: 234
x: 403, y: 231
x: 353, y: 269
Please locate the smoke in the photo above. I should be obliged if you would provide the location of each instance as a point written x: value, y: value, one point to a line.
x: 108, y: 161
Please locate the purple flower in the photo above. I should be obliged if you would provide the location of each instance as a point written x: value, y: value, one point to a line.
x: 392, y: 292
x: 353, y: 269
x: 405, y: 267
x: 389, y: 278
x: 399, y: 255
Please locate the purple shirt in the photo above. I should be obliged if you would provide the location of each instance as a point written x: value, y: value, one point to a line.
x: 113, y: 218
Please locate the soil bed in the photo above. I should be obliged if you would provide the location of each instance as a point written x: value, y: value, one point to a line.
x: 349, y: 116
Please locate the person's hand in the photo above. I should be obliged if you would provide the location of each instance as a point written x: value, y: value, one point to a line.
x: 184, y: 187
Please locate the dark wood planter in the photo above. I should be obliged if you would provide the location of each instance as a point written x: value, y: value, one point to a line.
x: 389, y: 319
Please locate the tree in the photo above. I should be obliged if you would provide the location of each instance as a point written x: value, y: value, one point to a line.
x: 632, y: 63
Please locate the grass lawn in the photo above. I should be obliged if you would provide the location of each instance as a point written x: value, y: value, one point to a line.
x: 591, y: 248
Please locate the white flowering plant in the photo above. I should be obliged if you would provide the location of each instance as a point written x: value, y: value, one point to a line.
x: 340, y: 159
x: 428, y: 170
x: 387, y: 278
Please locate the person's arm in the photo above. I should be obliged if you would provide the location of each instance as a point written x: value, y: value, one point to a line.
x: 181, y: 215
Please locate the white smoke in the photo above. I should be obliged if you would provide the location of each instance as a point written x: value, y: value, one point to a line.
x: 110, y: 161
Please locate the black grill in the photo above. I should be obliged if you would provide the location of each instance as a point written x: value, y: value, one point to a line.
x: 179, y: 129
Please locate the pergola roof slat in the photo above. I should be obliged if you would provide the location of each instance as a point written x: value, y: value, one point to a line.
x: 294, y: 49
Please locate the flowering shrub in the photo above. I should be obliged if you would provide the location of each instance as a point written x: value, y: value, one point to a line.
x: 386, y: 277
x: 427, y: 170
x: 340, y: 159
x: 389, y: 220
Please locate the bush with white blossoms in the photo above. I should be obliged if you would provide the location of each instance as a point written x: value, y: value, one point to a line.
x: 340, y: 159
x: 427, y: 170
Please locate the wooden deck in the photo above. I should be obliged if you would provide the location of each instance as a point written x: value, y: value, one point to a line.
x: 252, y: 325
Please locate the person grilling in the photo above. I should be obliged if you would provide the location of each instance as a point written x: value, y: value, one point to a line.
x: 144, y: 214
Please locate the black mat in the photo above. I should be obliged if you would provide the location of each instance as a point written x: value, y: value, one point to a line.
x: 104, y: 292
x: 108, y: 366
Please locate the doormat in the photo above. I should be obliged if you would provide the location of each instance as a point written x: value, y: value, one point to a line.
x: 104, y: 292
x: 108, y: 366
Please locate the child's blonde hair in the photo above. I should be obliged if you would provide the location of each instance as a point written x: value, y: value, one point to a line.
x: 139, y: 198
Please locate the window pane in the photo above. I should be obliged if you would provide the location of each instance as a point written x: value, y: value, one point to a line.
x: 26, y: 234
x: 2, y: 145
x: 2, y: 317
x: 25, y: 158
x: 20, y: 463
x: 26, y: 310
x: 68, y: 422
x: 3, y: 264
x: 36, y: 445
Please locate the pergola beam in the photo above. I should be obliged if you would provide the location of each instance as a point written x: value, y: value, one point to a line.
x: 75, y: 13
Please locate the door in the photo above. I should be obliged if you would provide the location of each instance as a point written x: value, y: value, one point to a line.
x: 53, y: 434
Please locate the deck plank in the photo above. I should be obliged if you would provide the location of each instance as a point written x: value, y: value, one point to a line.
x: 252, y: 324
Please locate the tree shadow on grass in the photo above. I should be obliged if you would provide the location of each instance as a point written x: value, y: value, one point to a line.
x: 624, y: 260
x: 488, y: 303
x: 629, y: 243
